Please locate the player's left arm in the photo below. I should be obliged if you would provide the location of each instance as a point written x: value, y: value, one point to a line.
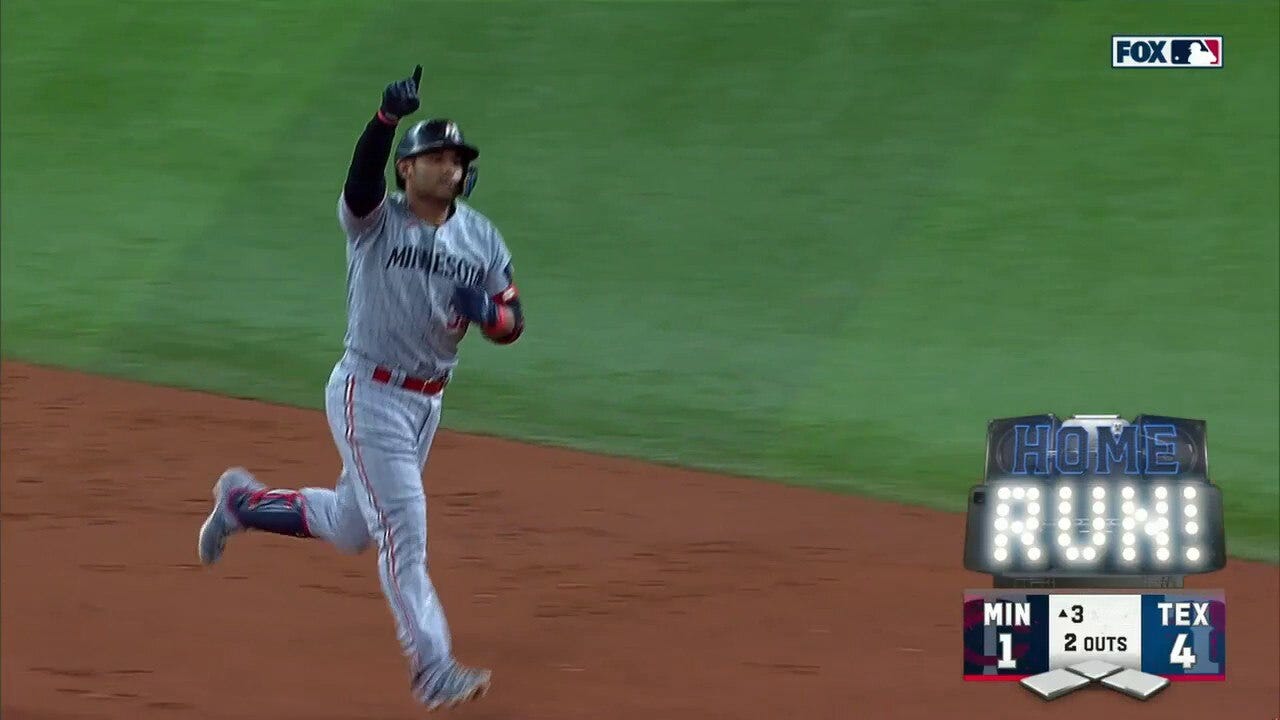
x: 500, y: 284
x: 495, y: 307
x: 509, y: 319
x: 499, y: 316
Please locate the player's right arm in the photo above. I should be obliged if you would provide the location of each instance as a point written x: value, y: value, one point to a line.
x: 365, y: 191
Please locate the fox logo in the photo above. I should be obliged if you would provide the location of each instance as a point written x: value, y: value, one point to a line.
x: 1133, y: 51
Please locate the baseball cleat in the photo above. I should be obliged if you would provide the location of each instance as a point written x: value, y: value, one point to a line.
x: 453, y: 684
x: 221, y: 523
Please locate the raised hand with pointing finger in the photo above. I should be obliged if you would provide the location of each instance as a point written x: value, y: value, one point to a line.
x: 401, y: 97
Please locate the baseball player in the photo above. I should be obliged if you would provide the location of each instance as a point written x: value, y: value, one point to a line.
x: 422, y: 267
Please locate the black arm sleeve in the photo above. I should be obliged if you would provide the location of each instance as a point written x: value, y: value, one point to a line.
x: 366, y: 185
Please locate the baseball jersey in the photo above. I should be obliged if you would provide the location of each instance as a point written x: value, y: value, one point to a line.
x: 401, y: 276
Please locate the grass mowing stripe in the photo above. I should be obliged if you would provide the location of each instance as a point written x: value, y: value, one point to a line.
x: 1010, y: 344
x: 163, y: 143
x: 840, y: 385
x: 254, y: 297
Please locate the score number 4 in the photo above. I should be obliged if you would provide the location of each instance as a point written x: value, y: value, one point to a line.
x: 1181, y: 653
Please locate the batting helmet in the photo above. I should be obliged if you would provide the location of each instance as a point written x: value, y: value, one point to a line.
x: 436, y: 134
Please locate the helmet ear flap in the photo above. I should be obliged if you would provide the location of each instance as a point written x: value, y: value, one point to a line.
x: 468, y: 180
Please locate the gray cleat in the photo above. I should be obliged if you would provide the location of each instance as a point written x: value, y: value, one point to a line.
x: 221, y: 523
x: 452, y: 684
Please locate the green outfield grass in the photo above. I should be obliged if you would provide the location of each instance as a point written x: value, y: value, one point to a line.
x: 820, y: 242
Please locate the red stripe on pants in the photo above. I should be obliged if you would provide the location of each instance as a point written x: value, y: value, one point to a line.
x: 382, y: 519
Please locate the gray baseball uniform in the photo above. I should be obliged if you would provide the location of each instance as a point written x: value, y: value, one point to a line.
x: 401, y: 275
x: 412, y: 290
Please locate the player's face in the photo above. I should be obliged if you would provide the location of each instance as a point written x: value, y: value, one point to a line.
x: 435, y: 174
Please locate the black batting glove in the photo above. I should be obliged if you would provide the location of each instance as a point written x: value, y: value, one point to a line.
x: 401, y: 97
x: 475, y: 305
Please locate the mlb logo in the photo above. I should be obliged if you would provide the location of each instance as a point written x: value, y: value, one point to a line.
x: 1166, y: 51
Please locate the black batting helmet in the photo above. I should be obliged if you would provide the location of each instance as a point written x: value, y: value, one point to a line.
x: 435, y: 134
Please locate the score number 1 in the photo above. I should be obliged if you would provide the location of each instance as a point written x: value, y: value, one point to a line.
x: 1006, y: 661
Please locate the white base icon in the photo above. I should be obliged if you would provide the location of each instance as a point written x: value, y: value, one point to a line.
x: 1056, y: 683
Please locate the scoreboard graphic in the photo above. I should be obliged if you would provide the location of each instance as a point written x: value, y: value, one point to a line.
x: 1088, y: 526
x: 1178, y: 635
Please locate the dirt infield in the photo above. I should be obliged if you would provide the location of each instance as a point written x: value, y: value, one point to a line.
x: 594, y: 587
